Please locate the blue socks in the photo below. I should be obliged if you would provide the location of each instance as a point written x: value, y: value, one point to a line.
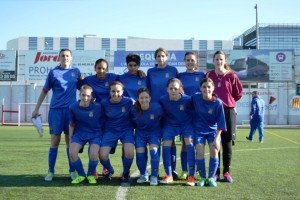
x: 173, y: 158
x: 52, y: 158
x: 183, y: 158
x: 141, y: 162
x: 191, y: 158
x: 79, y: 168
x: 201, y: 167
x: 127, y: 162
x: 107, y: 165
x: 71, y: 168
x: 213, y: 166
x: 92, y: 167
x: 154, y: 162
x: 167, y: 160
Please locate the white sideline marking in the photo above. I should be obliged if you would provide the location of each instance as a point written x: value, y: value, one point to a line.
x: 122, y: 190
x: 267, y: 149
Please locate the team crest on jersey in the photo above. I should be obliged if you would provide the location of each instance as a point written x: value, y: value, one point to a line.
x: 167, y: 75
x: 139, y: 82
x: 210, y: 111
x: 91, y: 114
x: 151, y: 116
x: 73, y: 74
x: 181, y: 107
x: 106, y: 84
x: 197, y: 79
x: 123, y: 109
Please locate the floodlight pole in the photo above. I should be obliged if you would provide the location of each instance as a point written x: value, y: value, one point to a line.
x: 257, y: 28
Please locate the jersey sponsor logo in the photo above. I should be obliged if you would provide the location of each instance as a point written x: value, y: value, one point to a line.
x: 181, y: 107
x: 91, y: 114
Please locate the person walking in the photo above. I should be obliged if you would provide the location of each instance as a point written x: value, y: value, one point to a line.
x: 257, y: 117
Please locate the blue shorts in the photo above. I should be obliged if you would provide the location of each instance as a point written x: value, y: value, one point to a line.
x: 83, y: 138
x: 142, y: 141
x: 58, y: 121
x: 202, y: 138
x: 110, y: 138
x: 170, y: 132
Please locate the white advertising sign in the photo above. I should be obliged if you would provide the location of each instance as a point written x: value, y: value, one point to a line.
x: 281, y: 66
x: 8, y: 66
x: 39, y: 63
x: 269, y: 96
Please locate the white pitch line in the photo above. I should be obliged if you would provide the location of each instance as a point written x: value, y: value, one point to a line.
x: 122, y: 190
x: 267, y: 149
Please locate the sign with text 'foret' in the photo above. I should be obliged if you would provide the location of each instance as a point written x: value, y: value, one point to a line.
x: 39, y: 63
x: 8, y: 70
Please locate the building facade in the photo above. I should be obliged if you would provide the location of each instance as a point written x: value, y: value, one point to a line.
x: 270, y: 36
x: 280, y: 110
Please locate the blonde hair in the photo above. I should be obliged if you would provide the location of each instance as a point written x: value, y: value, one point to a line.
x: 161, y: 49
x: 86, y: 87
x: 176, y: 80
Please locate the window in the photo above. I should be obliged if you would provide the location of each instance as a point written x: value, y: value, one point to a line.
x: 48, y: 43
x: 64, y: 43
x: 32, y: 43
x: 80, y: 43
x: 121, y: 44
x: 188, y: 44
x: 105, y: 44
x: 202, y: 45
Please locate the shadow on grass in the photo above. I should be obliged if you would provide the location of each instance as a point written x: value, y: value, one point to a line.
x: 58, y: 181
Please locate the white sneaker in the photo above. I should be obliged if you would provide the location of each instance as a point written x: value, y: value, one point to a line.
x: 73, y: 175
x: 143, y: 179
x: 153, y: 180
x: 49, y: 176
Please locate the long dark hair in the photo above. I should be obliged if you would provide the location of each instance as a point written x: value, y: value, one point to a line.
x: 99, y: 61
x: 226, y: 66
x: 137, y: 104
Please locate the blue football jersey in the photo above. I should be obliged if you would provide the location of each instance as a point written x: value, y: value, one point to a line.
x: 63, y: 83
x: 117, y: 115
x: 86, y: 119
x: 176, y: 113
x: 148, y: 123
x: 208, y: 116
x: 131, y: 84
x: 100, y: 86
x: 191, y: 81
x: 157, y: 80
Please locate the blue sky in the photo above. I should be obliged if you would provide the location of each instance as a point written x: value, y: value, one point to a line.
x: 159, y: 19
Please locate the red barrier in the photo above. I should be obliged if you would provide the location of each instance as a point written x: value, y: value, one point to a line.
x: 8, y: 111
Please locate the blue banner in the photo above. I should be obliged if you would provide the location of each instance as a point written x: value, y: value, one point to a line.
x: 176, y: 58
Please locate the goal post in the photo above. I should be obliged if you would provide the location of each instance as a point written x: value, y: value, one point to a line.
x: 22, y: 114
